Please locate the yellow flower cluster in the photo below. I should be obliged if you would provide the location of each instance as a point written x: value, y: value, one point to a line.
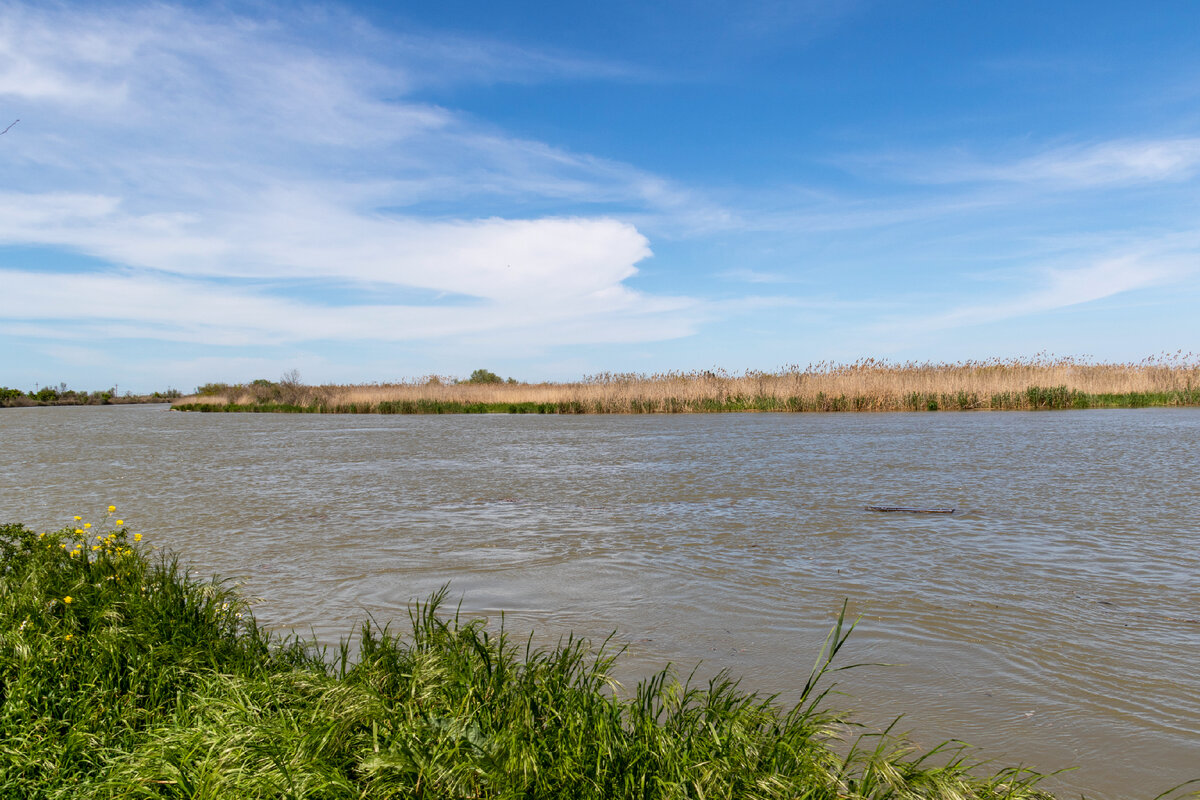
x: 110, y: 542
x: 114, y: 543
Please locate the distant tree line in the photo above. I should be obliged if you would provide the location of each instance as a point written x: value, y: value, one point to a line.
x: 290, y: 386
x: 64, y: 396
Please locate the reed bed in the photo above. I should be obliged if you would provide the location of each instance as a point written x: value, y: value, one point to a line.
x: 123, y: 677
x: 866, y: 385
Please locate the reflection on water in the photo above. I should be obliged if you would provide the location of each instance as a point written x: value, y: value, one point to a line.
x: 1054, y: 619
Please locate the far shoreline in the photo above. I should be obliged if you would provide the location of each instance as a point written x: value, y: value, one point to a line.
x: 1036, y: 399
x: 863, y: 386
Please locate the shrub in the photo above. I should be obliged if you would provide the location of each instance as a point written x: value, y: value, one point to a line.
x: 213, y: 389
x: 484, y: 376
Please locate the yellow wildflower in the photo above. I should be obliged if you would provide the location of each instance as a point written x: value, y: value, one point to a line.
x: 120, y: 522
x: 68, y: 637
x: 77, y: 517
x: 87, y: 525
x: 79, y: 530
x: 68, y: 599
x: 95, y: 547
x: 137, y: 537
x: 112, y: 509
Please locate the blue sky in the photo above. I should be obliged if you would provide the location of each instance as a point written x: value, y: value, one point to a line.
x: 374, y: 191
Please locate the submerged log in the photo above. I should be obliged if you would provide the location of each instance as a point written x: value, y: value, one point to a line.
x: 912, y: 510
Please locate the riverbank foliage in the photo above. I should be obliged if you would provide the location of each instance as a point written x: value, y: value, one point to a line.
x: 866, y: 385
x: 63, y: 396
x: 123, y: 677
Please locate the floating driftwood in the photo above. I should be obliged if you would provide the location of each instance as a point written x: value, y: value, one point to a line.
x: 912, y: 510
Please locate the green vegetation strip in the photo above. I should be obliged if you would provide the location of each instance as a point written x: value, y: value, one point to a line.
x: 398, y: 407
x: 62, y: 396
x: 1035, y: 398
x: 122, y: 677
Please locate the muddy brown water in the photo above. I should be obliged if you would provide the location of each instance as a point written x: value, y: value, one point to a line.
x: 1053, y: 620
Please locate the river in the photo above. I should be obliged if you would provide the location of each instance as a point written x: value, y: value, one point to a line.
x: 1053, y: 620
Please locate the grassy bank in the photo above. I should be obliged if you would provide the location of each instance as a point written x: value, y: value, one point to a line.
x: 120, y: 676
x: 863, y: 386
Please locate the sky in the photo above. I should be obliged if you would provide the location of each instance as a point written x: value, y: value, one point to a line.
x: 371, y: 192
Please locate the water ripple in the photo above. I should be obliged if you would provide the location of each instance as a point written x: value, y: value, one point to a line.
x: 1053, y: 619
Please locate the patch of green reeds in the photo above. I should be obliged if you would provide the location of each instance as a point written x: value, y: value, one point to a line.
x: 123, y: 677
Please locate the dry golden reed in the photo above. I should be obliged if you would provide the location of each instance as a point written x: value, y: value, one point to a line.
x: 864, y: 385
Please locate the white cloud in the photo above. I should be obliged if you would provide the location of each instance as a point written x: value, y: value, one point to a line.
x: 1108, y: 163
x: 135, y: 305
x: 1063, y: 288
x: 1112, y: 163
x: 189, y: 154
x: 286, y: 235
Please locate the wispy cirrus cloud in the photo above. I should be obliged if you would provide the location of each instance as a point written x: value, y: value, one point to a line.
x: 179, y: 310
x: 745, y: 275
x: 1062, y: 287
x: 1103, y: 164
x: 182, y: 150
x: 1112, y: 163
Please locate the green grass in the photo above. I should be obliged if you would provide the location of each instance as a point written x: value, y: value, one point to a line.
x: 148, y: 683
x: 397, y: 407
